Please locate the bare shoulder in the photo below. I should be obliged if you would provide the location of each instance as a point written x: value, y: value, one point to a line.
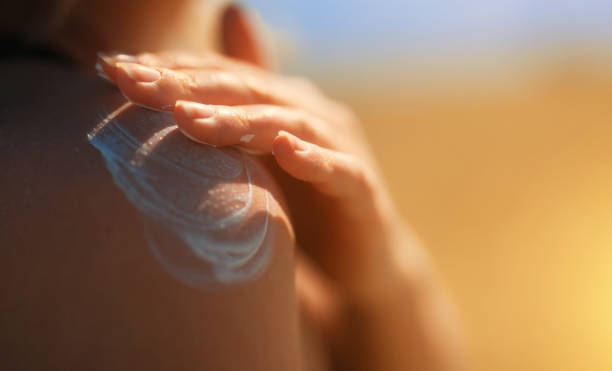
x: 210, y: 213
x: 114, y: 227
x: 49, y: 170
x: 74, y: 146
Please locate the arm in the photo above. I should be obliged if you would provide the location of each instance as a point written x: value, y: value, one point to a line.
x: 213, y: 221
x: 409, y: 315
x: 82, y: 287
x: 343, y: 216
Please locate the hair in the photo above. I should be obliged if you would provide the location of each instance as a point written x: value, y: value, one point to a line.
x: 33, y: 20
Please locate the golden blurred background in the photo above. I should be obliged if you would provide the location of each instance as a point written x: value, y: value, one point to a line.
x: 501, y: 160
x: 512, y: 193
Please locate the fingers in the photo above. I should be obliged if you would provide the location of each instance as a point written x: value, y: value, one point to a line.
x: 252, y: 126
x: 159, y: 80
x: 245, y: 108
x: 160, y: 88
x: 274, y: 129
x: 333, y: 173
x: 177, y: 60
x: 170, y: 60
x: 106, y: 63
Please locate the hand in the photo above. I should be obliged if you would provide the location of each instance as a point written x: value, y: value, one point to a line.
x: 340, y: 208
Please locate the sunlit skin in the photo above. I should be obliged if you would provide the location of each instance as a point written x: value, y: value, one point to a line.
x: 352, y: 231
x: 312, y: 138
x: 364, y: 282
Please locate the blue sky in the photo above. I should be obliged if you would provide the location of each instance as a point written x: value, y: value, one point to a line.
x: 335, y: 29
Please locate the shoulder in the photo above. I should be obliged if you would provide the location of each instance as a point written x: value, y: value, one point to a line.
x: 217, y: 208
x: 75, y: 147
x: 97, y: 223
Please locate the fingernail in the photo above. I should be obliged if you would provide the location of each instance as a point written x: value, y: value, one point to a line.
x: 206, y: 121
x: 104, y: 57
x: 297, y: 145
x: 139, y: 73
x: 301, y: 146
x: 196, y: 110
x: 100, y: 72
x: 102, y: 75
x: 194, y: 139
x: 115, y: 57
x: 125, y: 58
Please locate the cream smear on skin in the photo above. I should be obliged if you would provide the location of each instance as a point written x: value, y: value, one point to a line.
x: 202, y: 220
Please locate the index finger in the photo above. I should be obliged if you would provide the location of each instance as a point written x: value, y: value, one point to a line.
x: 159, y: 88
x: 177, y: 60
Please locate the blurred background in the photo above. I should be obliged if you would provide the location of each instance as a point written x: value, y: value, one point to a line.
x: 492, y: 121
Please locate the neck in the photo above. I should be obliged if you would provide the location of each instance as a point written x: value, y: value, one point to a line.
x: 134, y: 26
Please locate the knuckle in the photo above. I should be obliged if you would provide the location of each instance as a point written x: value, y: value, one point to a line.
x: 363, y: 177
x: 328, y: 165
x: 229, y: 83
x: 262, y: 118
x: 243, y: 120
x: 306, y: 125
x: 300, y: 122
x: 187, y: 84
x: 256, y: 89
x: 173, y: 85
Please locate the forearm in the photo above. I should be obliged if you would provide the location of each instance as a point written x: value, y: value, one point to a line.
x: 409, y: 323
x: 412, y: 331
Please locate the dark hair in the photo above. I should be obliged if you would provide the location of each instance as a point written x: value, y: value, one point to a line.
x: 33, y: 20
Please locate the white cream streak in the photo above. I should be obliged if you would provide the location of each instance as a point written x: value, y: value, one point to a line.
x: 246, y: 138
x: 203, y: 220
